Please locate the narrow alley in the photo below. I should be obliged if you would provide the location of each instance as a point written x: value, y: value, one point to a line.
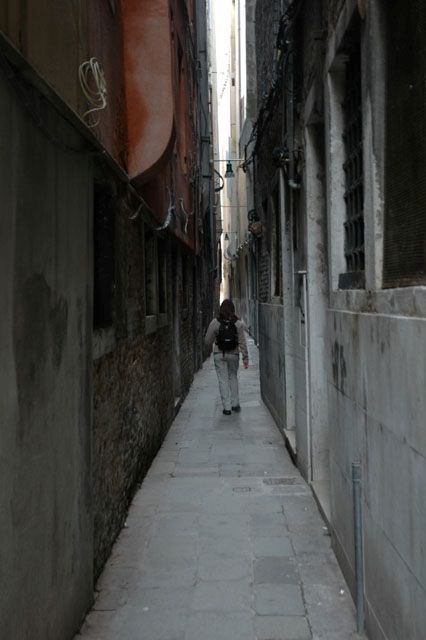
x: 174, y: 171
x: 223, y: 540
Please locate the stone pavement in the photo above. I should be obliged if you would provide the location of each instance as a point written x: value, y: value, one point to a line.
x: 223, y: 540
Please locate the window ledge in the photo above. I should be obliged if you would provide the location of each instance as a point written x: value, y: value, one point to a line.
x: 405, y: 301
x: 352, y: 280
x: 104, y: 341
x: 153, y: 323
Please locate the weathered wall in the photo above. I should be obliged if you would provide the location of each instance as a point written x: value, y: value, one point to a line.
x: 138, y: 377
x: 370, y: 342
x: 251, y: 58
x: 45, y: 374
x: 270, y: 316
x: 376, y: 381
x: 105, y: 43
x: 272, y: 367
x: 149, y: 85
x: 376, y: 375
x: 132, y: 413
x: 187, y: 298
x: 66, y: 24
x: 64, y: 462
x: 317, y: 303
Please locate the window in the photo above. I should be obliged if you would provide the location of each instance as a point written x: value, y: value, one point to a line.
x: 405, y: 159
x: 104, y: 262
x: 353, y: 169
x: 156, y: 291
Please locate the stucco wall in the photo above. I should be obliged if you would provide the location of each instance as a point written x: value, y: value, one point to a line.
x: 377, y: 404
x: 45, y: 406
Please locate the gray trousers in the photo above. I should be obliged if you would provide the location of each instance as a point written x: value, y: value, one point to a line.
x: 226, y: 365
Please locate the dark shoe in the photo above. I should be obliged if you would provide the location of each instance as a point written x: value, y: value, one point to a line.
x: 237, y: 408
x: 226, y: 412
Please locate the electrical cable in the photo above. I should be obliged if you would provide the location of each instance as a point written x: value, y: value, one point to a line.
x: 270, y: 98
x: 186, y: 214
x: 93, y: 85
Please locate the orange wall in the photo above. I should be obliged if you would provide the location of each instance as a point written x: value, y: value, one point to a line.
x: 149, y: 90
x: 159, y: 78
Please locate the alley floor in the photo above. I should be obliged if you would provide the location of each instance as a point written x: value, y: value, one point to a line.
x: 224, y: 540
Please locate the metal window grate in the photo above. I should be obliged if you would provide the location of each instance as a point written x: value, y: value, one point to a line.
x: 353, y: 167
x: 405, y: 156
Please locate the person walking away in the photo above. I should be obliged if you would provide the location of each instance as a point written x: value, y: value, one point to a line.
x: 226, y: 333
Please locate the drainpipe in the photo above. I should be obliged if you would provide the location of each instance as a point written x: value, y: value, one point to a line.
x: 359, y: 564
x: 211, y: 192
x: 212, y: 219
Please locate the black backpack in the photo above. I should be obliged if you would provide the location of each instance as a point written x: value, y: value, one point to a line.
x: 227, y: 337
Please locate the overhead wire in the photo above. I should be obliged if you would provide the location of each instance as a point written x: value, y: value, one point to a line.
x: 283, y: 45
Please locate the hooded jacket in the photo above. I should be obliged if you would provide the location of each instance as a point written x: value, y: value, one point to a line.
x: 212, y: 332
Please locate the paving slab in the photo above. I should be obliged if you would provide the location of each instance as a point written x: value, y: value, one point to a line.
x: 271, y: 570
x: 273, y: 546
x: 222, y: 595
x: 219, y: 626
x: 279, y: 599
x: 224, y: 540
x: 282, y: 628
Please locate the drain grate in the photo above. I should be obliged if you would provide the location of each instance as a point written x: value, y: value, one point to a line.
x: 279, y: 481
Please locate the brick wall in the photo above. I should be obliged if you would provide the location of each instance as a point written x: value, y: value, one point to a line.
x: 135, y: 380
x: 186, y: 321
x: 131, y: 416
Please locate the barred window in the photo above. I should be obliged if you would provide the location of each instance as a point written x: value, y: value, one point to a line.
x: 353, y: 168
x: 405, y: 160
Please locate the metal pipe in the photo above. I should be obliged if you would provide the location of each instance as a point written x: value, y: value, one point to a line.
x: 293, y: 185
x: 212, y: 211
x: 358, y: 543
x: 212, y: 225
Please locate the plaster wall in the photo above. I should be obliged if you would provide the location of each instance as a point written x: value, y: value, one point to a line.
x: 27, y: 23
x: 376, y: 382
x: 301, y: 397
x: 317, y: 300
x: 46, y: 577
